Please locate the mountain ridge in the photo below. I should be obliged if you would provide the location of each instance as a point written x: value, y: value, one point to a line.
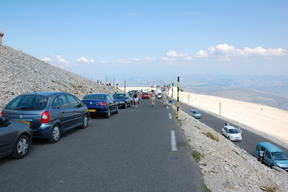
x: 21, y: 73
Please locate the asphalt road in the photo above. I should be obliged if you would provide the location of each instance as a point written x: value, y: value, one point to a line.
x: 130, y: 152
x: 250, y: 139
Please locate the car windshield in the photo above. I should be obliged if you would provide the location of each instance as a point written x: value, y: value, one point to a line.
x: 95, y: 97
x: 119, y: 96
x: 145, y: 93
x: 28, y: 102
x: 233, y: 131
x: 279, y: 156
x: 195, y: 112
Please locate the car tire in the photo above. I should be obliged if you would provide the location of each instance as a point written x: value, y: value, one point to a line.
x: 55, y: 134
x: 125, y: 106
x: 85, y: 122
x: 22, y: 147
x: 108, y: 114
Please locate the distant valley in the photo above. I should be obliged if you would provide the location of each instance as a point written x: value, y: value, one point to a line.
x: 267, y: 90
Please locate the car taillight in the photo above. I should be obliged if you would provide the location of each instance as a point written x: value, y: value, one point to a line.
x: 45, y: 117
x: 102, y: 104
x: 2, y: 113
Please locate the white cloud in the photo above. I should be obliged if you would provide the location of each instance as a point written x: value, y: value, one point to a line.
x: 225, y: 51
x: 62, y: 60
x: 46, y: 59
x: 171, y: 54
x: 85, y: 60
x: 124, y: 61
x: 175, y: 54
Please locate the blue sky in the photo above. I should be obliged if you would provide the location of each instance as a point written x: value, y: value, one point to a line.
x: 151, y: 38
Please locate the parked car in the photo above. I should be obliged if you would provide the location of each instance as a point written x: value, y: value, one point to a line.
x: 101, y: 103
x: 273, y: 155
x: 145, y: 95
x: 15, y: 138
x: 124, y: 100
x: 49, y: 114
x: 195, y: 113
x: 232, y: 133
x: 159, y: 95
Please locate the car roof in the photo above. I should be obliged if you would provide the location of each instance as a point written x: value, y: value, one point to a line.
x: 98, y: 94
x: 270, y: 147
x: 230, y: 127
x: 43, y: 93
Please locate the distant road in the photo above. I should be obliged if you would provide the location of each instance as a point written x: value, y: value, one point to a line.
x: 133, y: 151
x: 250, y: 139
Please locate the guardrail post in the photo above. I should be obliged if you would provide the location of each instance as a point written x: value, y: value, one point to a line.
x: 178, y: 93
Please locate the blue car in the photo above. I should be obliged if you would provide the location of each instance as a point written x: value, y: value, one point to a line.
x: 124, y: 100
x: 101, y: 103
x: 273, y: 155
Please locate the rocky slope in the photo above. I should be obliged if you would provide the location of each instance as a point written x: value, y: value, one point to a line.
x: 22, y: 73
x: 225, y: 166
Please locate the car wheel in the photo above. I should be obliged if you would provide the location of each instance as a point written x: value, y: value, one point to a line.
x: 55, y: 134
x: 108, y: 114
x: 21, y: 147
x: 125, y: 106
x: 85, y: 122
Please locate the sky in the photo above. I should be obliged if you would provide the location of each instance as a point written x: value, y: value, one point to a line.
x: 126, y: 39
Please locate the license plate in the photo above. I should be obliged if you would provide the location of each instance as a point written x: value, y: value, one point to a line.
x: 92, y: 110
x: 26, y: 122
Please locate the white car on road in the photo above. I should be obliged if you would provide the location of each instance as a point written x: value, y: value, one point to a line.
x: 232, y: 133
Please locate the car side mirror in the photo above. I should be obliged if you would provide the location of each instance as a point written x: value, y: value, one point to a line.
x: 4, y: 122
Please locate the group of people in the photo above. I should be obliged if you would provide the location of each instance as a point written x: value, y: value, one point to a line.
x: 153, y: 98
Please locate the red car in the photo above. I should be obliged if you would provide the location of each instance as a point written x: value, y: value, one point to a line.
x: 145, y: 95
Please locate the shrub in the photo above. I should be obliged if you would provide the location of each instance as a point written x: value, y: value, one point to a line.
x: 212, y: 136
x: 197, y: 156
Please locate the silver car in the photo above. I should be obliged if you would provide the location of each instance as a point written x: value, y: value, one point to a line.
x: 194, y: 113
x: 49, y: 114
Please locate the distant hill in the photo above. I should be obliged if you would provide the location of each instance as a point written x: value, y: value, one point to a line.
x: 22, y: 73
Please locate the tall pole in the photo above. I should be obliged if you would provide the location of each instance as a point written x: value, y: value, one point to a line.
x: 124, y: 86
x: 178, y: 103
x: 117, y: 87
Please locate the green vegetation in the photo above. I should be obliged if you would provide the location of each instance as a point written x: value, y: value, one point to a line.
x: 206, y: 189
x: 235, y: 152
x: 197, y: 156
x: 212, y: 136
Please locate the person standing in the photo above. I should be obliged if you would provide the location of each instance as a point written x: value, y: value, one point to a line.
x: 153, y: 98
x: 164, y: 98
x: 135, y: 98
x: 261, y: 155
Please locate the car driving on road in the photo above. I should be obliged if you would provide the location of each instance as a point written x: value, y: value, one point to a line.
x: 15, y: 138
x: 195, y: 113
x: 49, y: 114
x: 101, y: 103
x: 232, y: 133
x: 145, y: 95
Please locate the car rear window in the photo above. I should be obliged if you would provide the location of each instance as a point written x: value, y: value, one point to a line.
x: 95, y: 97
x: 28, y: 102
x: 119, y: 96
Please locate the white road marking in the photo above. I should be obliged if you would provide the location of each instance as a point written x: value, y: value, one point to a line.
x: 173, y: 141
x: 170, y: 116
x: 167, y: 106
